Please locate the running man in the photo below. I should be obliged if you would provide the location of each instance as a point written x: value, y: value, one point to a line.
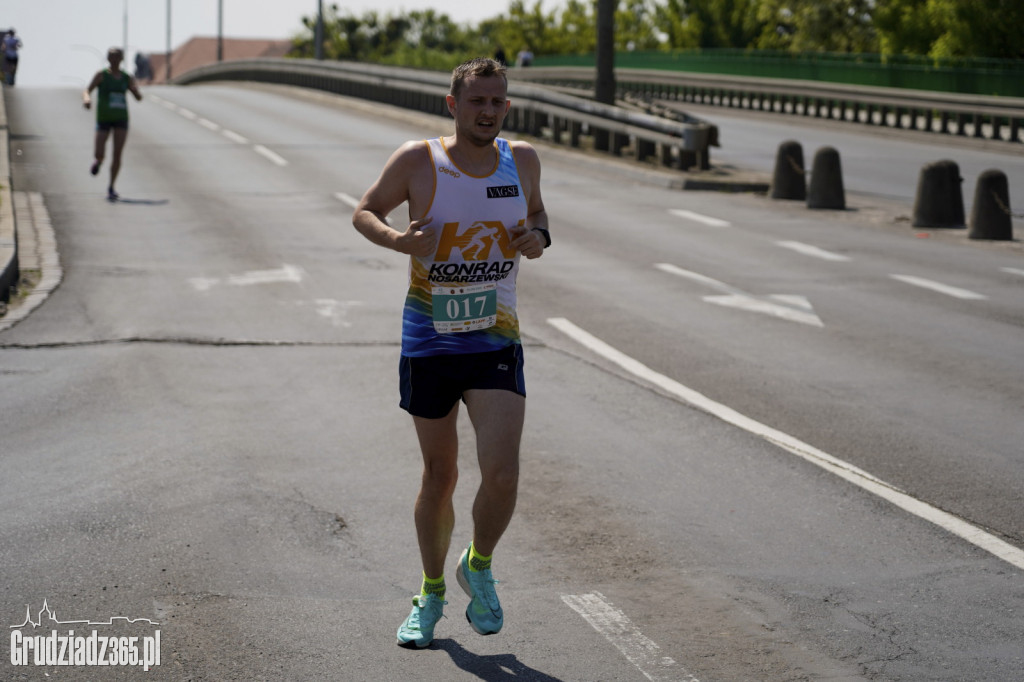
x: 11, y: 45
x: 113, y: 86
x: 460, y: 332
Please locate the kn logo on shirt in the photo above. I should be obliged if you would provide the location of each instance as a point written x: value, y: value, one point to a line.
x: 476, y: 242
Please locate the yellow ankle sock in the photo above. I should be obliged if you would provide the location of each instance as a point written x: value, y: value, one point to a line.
x: 433, y: 586
x: 478, y: 562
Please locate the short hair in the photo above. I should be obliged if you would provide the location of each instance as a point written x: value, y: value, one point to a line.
x: 482, y: 67
x: 115, y: 50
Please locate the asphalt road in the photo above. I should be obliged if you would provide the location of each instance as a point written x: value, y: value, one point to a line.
x: 763, y: 442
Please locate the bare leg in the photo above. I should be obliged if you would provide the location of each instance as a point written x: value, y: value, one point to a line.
x: 435, y: 514
x: 120, y: 137
x: 100, y: 148
x: 497, y: 418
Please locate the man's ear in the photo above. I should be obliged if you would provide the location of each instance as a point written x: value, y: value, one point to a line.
x: 450, y: 99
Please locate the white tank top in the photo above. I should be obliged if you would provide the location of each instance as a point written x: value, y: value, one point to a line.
x: 463, y: 298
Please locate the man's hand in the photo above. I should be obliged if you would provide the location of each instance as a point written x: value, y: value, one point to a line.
x: 416, y: 241
x: 530, y: 243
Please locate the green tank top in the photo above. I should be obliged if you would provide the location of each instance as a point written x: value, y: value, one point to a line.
x: 113, y: 98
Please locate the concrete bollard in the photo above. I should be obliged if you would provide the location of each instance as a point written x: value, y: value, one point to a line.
x: 990, y: 215
x: 826, y: 189
x: 790, y: 179
x: 939, y: 201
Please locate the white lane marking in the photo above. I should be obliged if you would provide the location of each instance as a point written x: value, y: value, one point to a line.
x: 787, y: 307
x: 972, y: 534
x: 234, y: 137
x: 697, y: 217
x: 618, y: 629
x: 263, y: 151
x: 208, y: 124
x: 809, y: 250
x: 794, y: 308
x: 190, y: 115
x: 287, y: 273
x: 336, y: 312
x: 1014, y: 271
x: 346, y: 199
x: 955, y: 292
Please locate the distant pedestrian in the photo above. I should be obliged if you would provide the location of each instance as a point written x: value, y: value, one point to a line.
x: 524, y: 58
x: 499, y: 56
x: 143, y: 69
x: 112, y: 85
x: 11, y: 45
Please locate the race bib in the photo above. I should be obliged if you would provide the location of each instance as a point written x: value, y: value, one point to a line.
x: 465, y: 309
x: 118, y: 100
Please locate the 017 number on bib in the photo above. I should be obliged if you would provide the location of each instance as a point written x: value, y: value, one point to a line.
x: 464, y: 309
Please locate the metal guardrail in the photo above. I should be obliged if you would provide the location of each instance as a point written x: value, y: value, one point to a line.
x: 990, y: 118
x: 537, y: 110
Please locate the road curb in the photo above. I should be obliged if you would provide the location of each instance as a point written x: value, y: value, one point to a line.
x: 8, y: 240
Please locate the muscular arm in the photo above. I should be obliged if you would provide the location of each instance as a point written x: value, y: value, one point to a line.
x: 133, y: 87
x: 93, y: 84
x: 407, y: 176
x: 531, y: 244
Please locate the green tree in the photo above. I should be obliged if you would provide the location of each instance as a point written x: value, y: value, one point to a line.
x: 817, y: 25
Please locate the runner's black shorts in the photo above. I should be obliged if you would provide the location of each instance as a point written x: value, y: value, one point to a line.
x: 430, y: 386
x: 110, y: 125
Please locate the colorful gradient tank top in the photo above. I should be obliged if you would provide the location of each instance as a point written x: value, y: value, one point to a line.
x: 463, y: 298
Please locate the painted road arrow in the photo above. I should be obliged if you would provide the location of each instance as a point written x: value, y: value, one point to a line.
x: 784, y: 306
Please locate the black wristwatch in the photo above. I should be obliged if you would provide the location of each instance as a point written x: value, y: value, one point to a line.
x: 546, y: 234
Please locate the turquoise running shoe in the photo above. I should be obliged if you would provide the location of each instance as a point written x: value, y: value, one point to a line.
x: 484, y: 610
x: 418, y: 629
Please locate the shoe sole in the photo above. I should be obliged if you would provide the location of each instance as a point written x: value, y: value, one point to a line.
x: 414, y: 645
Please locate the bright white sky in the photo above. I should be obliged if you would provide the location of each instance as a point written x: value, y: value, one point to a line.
x: 64, y: 41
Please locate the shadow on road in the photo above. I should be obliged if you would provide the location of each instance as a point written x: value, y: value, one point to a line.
x: 143, y: 202
x: 496, y: 668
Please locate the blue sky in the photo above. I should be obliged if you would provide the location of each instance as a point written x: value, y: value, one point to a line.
x: 65, y: 40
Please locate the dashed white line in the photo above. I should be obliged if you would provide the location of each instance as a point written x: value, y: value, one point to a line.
x: 618, y: 629
x: 809, y: 250
x: 190, y: 115
x: 946, y: 289
x: 697, y: 217
x: 346, y: 199
x: 972, y: 534
x: 208, y: 124
x: 234, y: 137
x: 1014, y: 271
x: 275, y: 158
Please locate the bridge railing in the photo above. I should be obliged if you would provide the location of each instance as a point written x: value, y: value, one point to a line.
x: 537, y: 110
x: 990, y: 118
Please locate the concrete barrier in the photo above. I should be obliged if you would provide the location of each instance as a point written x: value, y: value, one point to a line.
x: 789, y: 181
x: 939, y: 201
x: 991, y: 217
x: 826, y: 188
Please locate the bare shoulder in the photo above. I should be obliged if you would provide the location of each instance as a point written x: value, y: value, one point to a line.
x: 524, y: 152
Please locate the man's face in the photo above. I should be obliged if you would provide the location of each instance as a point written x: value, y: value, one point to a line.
x: 480, y: 108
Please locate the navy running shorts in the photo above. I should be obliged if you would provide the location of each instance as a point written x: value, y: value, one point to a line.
x: 110, y: 125
x: 430, y: 386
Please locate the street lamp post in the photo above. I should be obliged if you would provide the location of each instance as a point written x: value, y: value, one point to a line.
x: 167, y: 77
x: 220, y: 30
x: 318, y: 35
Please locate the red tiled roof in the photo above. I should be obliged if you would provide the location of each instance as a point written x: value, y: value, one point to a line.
x: 201, y: 51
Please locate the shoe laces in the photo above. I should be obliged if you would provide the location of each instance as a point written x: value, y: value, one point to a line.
x: 486, y: 583
x: 435, y: 604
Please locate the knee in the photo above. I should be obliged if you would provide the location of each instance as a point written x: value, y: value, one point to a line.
x: 441, y: 478
x: 504, y: 478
